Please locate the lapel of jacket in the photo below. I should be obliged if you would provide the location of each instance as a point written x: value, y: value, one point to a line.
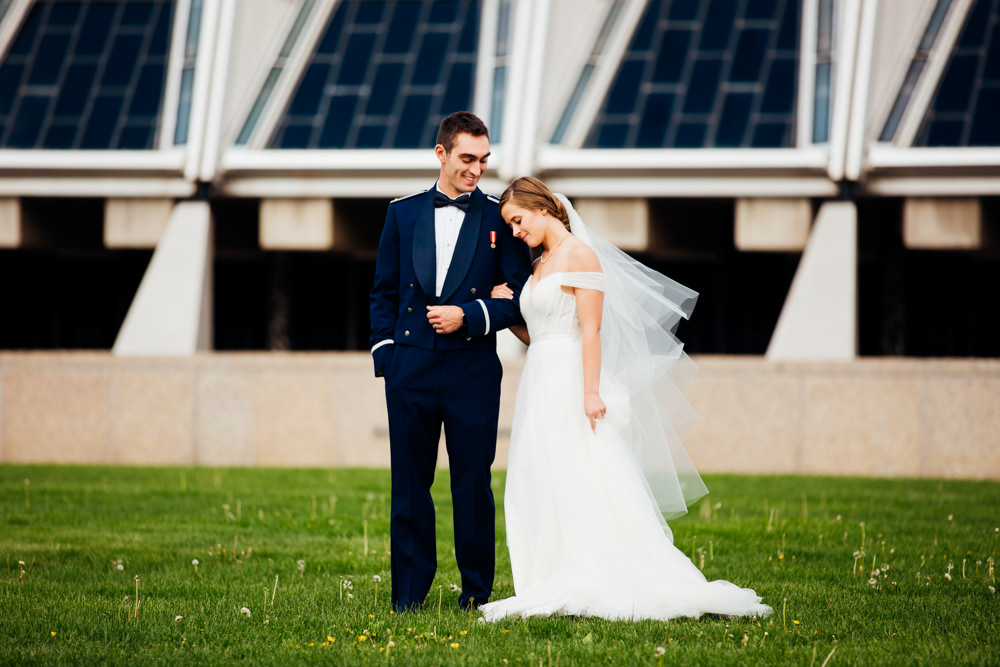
x: 465, y: 246
x: 424, y: 249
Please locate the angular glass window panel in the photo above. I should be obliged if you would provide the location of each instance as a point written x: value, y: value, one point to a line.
x: 430, y: 58
x: 821, y: 104
x: 193, y: 33
x: 96, y: 27
x: 761, y: 9
x: 991, y: 72
x: 496, y: 103
x: 574, y: 102
x: 121, y: 62
x: 103, y: 120
x: 788, y: 35
x: 24, y: 43
x: 944, y: 133
x: 310, y: 91
x: 672, y: 56
x: 28, y: 121
x: 625, y: 90
x: 955, y: 92
x: 146, y: 99
x: 75, y: 91
x: 718, y: 26
x: 385, y: 89
x: 64, y: 13
x: 296, y: 136
x: 612, y: 135
x: 337, y: 125
x: 444, y: 11
x: 49, y: 58
x: 690, y: 135
x: 137, y: 13
x: 733, y: 122
x: 161, y: 36
x: 985, y: 126
x: 184, y: 107
x: 750, y: 48
x: 371, y: 136
x: 974, y: 32
x: 405, y: 16
x: 704, y: 86
x: 137, y: 137
x: 642, y: 40
x: 357, y: 56
x: 412, y: 122
x: 470, y: 29
x: 779, y: 95
x: 934, y: 25
x: 10, y: 81
x: 824, y: 29
x: 655, y: 121
x: 682, y: 10
x: 369, y: 13
x: 60, y: 137
x: 459, y: 90
x: 330, y: 44
x: 770, y: 135
x: 899, y: 106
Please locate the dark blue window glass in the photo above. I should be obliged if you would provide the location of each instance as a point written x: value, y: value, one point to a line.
x: 87, y: 74
x: 966, y: 105
x: 710, y: 74
x: 384, y: 75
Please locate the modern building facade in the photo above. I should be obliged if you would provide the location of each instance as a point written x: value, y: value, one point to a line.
x: 181, y: 176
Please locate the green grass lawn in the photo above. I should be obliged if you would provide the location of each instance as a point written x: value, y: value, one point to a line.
x: 859, y: 571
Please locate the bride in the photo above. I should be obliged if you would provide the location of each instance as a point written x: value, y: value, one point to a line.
x: 595, y: 455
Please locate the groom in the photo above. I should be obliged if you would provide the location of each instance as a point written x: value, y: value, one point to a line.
x: 433, y: 339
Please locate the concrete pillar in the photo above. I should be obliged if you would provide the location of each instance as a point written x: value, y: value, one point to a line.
x: 135, y: 223
x: 773, y: 225
x: 624, y: 222
x: 819, y: 319
x: 943, y: 223
x: 171, y: 314
x: 10, y: 223
x: 296, y: 224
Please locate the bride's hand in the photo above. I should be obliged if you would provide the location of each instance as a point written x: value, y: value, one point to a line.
x: 502, y: 292
x: 595, y: 409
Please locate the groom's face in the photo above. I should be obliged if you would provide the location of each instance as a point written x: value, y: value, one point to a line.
x: 463, y: 166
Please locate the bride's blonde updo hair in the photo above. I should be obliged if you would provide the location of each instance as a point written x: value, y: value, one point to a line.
x: 530, y: 193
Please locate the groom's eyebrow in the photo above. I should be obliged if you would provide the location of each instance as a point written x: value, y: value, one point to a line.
x: 473, y: 156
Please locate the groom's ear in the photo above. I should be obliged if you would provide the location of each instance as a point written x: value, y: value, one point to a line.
x: 441, y: 153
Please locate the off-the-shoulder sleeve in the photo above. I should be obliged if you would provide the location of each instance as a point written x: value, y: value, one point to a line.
x: 584, y: 279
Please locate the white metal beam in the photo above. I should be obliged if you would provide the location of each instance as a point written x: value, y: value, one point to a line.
x: 856, y: 138
x: 845, y: 54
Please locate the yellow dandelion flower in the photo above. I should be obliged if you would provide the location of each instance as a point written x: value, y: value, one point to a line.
x: 795, y: 622
x: 464, y: 632
x: 362, y: 638
x: 454, y: 644
x: 330, y: 639
x: 53, y: 633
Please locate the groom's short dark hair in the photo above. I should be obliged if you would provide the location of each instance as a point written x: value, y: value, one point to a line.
x: 460, y: 122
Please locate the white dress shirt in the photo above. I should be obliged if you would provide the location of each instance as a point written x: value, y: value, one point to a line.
x: 447, y: 224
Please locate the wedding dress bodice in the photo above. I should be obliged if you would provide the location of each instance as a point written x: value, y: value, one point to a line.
x: 548, y: 310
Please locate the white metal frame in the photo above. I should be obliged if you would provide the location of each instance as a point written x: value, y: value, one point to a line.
x: 482, y: 95
x: 929, y: 78
x: 846, y: 47
x: 604, y: 73
x: 175, y: 68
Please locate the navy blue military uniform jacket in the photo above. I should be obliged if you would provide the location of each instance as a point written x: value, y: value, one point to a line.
x: 486, y: 254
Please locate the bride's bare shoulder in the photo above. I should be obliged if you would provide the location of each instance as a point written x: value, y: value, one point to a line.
x: 582, y: 258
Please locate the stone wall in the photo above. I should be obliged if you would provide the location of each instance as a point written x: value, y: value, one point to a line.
x: 882, y: 417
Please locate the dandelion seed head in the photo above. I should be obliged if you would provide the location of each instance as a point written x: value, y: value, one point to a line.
x: 660, y: 650
x: 873, y: 581
x: 947, y: 576
x: 376, y: 578
x: 21, y: 563
x: 194, y: 561
x: 950, y: 517
x: 991, y: 590
x: 245, y: 612
x: 178, y: 619
x: 857, y: 554
x: 350, y: 596
x: 453, y: 587
x: 347, y: 585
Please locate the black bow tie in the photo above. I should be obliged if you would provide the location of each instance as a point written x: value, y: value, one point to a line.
x: 460, y: 202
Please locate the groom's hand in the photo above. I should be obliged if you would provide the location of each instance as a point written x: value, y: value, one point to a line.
x: 445, y: 319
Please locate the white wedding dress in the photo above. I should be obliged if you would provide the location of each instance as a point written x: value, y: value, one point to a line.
x: 586, y: 535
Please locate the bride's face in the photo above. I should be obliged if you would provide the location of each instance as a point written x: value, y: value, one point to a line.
x: 528, y: 225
